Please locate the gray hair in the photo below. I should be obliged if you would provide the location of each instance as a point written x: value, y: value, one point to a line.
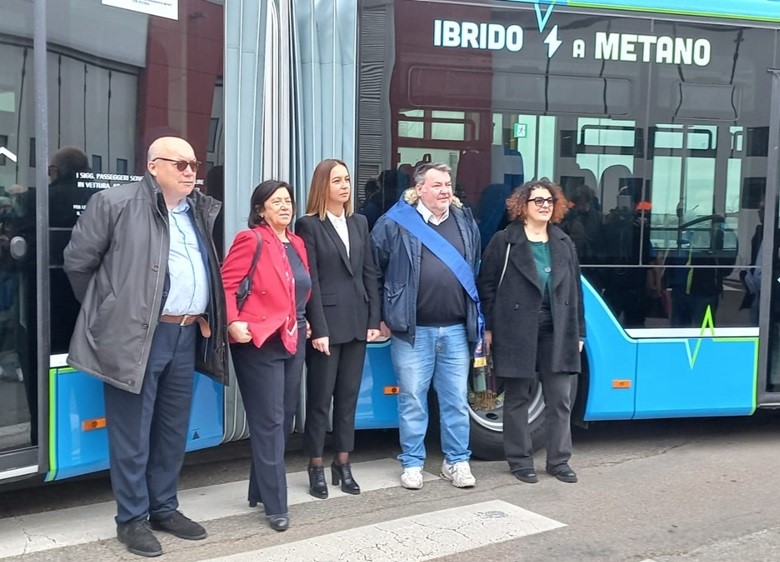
x: 422, y: 169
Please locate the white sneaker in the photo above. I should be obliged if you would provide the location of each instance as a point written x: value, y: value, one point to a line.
x: 459, y: 474
x: 412, y: 478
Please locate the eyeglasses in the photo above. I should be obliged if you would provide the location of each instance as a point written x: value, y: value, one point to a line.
x: 181, y: 165
x: 542, y: 201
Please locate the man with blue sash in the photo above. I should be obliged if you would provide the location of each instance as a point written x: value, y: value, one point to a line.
x: 427, y: 247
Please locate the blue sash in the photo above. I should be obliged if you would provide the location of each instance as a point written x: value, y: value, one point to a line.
x: 408, y: 217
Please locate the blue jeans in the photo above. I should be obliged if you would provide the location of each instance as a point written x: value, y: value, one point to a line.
x: 440, y: 354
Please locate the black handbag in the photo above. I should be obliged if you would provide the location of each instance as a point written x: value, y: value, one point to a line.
x: 245, y: 287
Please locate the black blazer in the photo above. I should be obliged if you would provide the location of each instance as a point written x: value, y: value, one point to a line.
x: 511, y: 308
x: 344, y: 301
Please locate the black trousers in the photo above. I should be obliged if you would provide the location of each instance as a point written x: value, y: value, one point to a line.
x: 336, y: 376
x: 147, y: 432
x: 556, y: 387
x: 270, y: 381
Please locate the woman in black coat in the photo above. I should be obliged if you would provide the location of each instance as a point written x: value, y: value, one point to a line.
x: 529, y: 284
x: 343, y: 313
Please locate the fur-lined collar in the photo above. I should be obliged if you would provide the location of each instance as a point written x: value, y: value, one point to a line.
x: 411, y: 197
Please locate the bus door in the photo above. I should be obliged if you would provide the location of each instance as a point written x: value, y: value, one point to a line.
x: 18, y: 271
x: 765, y: 304
x: 109, y: 96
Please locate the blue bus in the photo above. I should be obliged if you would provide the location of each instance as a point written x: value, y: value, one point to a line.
x: 661, y: 123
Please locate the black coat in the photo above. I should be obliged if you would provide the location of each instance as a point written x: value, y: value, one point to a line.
x: 344, y: 301
x: 512, y: 309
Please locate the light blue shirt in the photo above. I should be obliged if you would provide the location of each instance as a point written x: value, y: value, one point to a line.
x: 189, y: 290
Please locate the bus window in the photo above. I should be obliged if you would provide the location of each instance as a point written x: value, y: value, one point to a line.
x: 110, y: 94
x: 18, y: 388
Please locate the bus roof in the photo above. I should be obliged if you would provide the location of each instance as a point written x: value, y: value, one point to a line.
x: 755, y: 10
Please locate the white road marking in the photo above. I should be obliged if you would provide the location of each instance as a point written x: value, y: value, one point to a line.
x: 56, y: 529
x: 421, y: 537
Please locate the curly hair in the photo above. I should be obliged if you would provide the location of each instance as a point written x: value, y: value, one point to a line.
x: 517, y: 202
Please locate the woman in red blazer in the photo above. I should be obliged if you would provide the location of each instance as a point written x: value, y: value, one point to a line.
x: 344, y: 315
x: 268, y: 337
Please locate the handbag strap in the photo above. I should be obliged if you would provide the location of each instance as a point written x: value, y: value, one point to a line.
x: 506, y: 261
x: 256, y: 256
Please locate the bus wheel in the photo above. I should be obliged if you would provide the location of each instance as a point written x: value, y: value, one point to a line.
x: 487, y: 425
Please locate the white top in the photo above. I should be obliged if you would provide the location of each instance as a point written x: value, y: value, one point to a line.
x: 428, y: 216
x: 340, y: 224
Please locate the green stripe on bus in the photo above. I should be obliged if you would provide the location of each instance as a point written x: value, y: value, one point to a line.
x: 53, y: 373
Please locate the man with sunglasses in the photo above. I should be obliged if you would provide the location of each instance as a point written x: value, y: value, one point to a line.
x: 142, y: 263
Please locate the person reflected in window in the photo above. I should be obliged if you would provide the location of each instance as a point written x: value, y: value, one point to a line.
x: 627, y: 245
x: 68, y: 197
x: 268, y: 337
x: 583, y: 225
x: 372, y: 207
x: 529, y: 284
x: 698, y: 287
x: 10, y: 326
x: 751, y: 278
x: 343, y: 313
x: 215, y: 187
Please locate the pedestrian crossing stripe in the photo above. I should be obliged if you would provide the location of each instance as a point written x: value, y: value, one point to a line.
x: 54, y: 529
x: 416, y: 538
x: 420, y: 537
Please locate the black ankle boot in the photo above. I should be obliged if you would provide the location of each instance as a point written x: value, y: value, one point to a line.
x: 343, y: 473
x: 318, y: 487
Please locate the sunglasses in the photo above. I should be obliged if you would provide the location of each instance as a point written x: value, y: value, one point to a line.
x: 181, y: 165
x: 541, y: 201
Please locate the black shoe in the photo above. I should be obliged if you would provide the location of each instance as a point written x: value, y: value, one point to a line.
x: 343, y: 473
x: 279, y: 522
x: 527, y: 475
x: 138, y: 537
x: 318, y: 487
x: 180, y: 526
x: 253, y: 502
x: 563, y: 473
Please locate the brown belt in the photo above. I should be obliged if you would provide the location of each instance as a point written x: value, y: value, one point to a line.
x: 188, y: 320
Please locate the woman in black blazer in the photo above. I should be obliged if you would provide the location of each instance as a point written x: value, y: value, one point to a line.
x: 343, y: 313
x: 529, y: 285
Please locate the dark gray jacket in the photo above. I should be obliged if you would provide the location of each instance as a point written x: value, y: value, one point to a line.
x: 512, y: 309
x: 397, y: 254
x: 117, y: 262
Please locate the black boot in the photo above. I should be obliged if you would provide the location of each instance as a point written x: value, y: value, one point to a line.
x: 318, y: 487
x: 343, y: 473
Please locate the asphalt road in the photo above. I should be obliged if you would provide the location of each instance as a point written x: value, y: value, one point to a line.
x: 667, y: 491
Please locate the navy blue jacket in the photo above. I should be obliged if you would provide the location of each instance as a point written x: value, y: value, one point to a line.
x: 397, y: 253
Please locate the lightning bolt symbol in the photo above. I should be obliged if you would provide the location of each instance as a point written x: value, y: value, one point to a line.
x: 552, y: 42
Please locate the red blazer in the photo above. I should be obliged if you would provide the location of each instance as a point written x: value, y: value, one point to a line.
x: 271, y: 304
